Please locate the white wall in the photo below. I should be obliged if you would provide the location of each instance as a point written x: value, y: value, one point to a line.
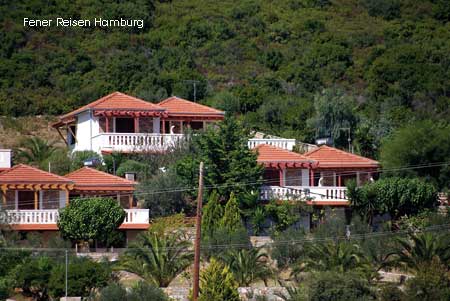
x: 87, y: 128
x: 5, y: 158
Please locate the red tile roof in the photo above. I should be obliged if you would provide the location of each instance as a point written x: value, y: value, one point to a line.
x: 116, y: 101
x: 330, y: 157
x: 89, y: 179
x: 25, y: 174
x: 268, y: 154
x: 181, y: 107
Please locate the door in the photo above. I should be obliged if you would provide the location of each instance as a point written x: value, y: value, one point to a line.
x: 26, y: 200
x: 124, y: 125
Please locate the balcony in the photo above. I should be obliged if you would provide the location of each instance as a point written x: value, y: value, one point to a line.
x: 283, y: 143
x: 47, y: 219
x: 323, y: 195
x: 129, y: 142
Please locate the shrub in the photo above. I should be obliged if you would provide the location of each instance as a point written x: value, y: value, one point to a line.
x: 336, y: 286
x: 217, y: 283
x: 430, y: 283
x: 84, y: 275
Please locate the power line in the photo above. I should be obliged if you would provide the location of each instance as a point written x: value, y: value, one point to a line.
x: 209, y: 187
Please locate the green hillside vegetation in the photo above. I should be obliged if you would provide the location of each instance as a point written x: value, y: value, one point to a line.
x: 372, y: 65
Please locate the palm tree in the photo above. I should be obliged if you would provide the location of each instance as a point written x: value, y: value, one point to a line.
x: 421, y: 248
x: 337, y: 256
x: 35, y: 150
x: 158, y: 257
x: 248, y: 265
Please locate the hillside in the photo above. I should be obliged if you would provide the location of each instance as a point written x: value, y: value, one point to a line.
x: 383, y: 63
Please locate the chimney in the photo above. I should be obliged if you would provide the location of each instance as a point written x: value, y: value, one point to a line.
x: 130, y: 176
x: 5, y: 158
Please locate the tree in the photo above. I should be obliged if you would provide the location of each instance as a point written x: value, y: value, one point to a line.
x: 227, y: 158
x: 337, y: 286
x: 430, y: 283
x: 212, y: 214
x: 35, y: 150
x: 227, y: 229
x: 33, y: 276
x: 94, y: 218
x: 162, y: 194
x: 341, y: 257
x: 84, y: 276
x: 396, y: 196
x: 334, y: 113
x: 217, y: 283
x: 231, y: 220
x: 429, y: 148
x: 421, y: 249
x: 247, y: 265
x: 158, y: 255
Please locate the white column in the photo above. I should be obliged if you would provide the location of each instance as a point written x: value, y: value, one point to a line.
x: 156, y: 125
x: 358, y: 181
x: 62, y: 199
x: 305, y: 177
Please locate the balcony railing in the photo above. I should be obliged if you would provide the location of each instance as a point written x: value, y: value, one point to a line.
x: 136, y: 216
x: 46, y: 217
x: 313, y: 193
x: 287, y: 144
x: 135, y: 141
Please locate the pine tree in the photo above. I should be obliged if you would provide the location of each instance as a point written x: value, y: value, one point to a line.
x: 212, y: 214
x: 217, y: 283
x: 227, y: 158
x: 231, y: 220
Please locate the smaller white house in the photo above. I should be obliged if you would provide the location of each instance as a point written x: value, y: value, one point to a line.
x: 122, y: 123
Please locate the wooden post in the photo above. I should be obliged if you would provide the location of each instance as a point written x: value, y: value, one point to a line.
x: 107, y: 124
x: 130, y: 201
x: 136, y: 124
x: 311, y: 177
x: 67, y: 197
x: 4, y: 198
x: 339, y: 180
x: 163, y: 125
x: 281, y: 176
x: 36, y: 200
x: 198, y: 234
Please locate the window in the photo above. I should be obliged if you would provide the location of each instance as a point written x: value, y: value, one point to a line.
x: 293, y: 177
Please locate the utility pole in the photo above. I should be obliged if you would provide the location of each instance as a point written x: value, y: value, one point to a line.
x: 194, y: 83
x: 198, y: 235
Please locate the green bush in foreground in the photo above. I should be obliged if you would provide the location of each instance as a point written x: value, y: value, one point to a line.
x: 217, y: 283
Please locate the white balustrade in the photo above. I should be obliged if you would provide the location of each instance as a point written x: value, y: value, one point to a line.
x: 135, y: 141
x: 136, y: 216
x: 23, y: 217
x: 314, y: 193
x: 32, y: 216
x: 287, y: 144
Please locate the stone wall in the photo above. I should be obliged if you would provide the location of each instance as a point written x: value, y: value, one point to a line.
x: 246, y: 293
